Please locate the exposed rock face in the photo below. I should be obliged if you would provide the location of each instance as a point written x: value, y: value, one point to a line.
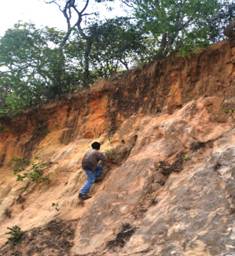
x: 169, y: 187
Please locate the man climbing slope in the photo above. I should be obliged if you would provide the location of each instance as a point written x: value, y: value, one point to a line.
x: 91, y: 164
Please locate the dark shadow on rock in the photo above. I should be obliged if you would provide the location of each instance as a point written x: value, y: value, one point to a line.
x: 40, y: 131
x: 122, y: 237
x: 177, y: 166
x: 196, y: 145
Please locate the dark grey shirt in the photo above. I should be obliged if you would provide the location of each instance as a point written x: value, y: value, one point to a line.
x: 91, y: 159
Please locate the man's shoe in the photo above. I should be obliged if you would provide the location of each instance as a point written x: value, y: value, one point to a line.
x: 99, y: 179
x: 84, y: 196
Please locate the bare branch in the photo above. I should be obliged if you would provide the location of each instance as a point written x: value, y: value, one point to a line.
x: 85, y: 6
x: 70, y: 8
x: 54, y: 2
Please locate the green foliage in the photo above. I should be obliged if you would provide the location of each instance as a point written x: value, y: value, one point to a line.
x: 35, y: 174
x: 15, y: 235
x: 32, y: 67
x: 106, y: 48
x: 19, y: 164
x: 229, y: 110
x: 115, y: 155
x: 2, y: 128
x: 109, y: 153
x: 116, y: 44
x: 178, y: 25
x: 186, y: 157
x: 41, y: 64
x: 223, y: 17
x: 21, y: 177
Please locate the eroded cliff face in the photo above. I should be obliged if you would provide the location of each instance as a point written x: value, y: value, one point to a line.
x: 169, y: 187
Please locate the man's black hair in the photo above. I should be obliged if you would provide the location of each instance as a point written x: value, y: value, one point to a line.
x: 95, y: 145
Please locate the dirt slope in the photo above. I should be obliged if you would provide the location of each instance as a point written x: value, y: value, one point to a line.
x: 169, y: 188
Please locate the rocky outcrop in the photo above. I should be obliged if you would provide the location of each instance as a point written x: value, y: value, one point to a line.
x: 161, y: 86
x: 169, y: 134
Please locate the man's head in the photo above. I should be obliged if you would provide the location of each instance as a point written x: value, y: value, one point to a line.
x: 95, y: 145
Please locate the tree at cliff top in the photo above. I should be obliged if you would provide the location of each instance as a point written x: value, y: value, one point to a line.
x: 35, y: 67
x: 115, y: 44
x: 38, y: 64
x: 104, y: 45
x: 181, y: 24
x: 76, y: 15
x: 32, y: 68
x: 162, y: 27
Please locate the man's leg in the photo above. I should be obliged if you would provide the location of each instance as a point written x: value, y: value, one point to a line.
x: 90, y: 180
x: 98, y: 173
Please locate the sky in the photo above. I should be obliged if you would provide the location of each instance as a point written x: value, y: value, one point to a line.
x: 37, y: 12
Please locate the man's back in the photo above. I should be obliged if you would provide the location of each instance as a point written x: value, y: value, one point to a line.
x: 91, y: 159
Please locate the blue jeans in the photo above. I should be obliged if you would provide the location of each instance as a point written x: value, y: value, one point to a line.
x: 91, y: 177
